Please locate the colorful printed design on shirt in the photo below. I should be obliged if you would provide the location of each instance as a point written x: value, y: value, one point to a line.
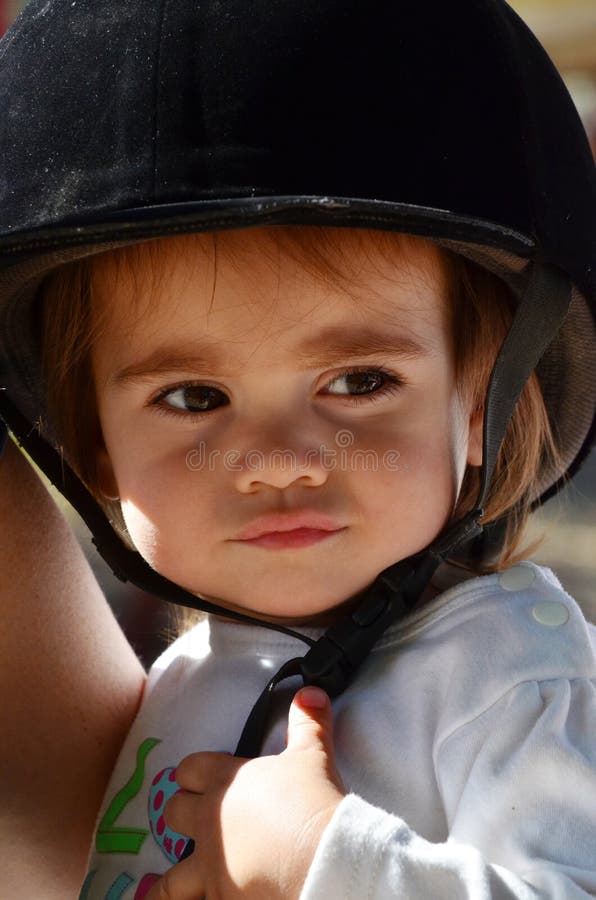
x: 144, y: 885
x: 122, y: 882
x: 111, y: 838
x: 120, y: 885
x: 163, y: 787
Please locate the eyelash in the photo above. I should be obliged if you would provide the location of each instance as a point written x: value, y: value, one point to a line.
x: 393, y: 384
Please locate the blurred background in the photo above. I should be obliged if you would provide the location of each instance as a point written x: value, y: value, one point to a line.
x: 567, y: 28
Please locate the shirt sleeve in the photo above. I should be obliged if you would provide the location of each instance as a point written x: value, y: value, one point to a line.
x: 518, y: 785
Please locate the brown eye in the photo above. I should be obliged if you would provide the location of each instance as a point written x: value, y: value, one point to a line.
x: 361, y: 383
x: 194, y: 398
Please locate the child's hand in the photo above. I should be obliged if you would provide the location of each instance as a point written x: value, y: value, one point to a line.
x: 256, y: 823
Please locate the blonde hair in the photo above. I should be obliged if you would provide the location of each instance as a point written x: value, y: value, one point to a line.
x: 481, y: 309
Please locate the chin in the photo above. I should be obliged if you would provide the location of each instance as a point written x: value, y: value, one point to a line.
x: 298, y: 600
x: 290, y: 610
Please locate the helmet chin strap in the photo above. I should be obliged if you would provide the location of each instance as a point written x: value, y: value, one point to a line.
x: 332, y: 661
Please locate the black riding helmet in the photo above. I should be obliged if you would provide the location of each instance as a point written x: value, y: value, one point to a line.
x: 122, y: 121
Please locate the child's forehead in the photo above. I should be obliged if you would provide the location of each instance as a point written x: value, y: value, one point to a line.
x: 273, y: 275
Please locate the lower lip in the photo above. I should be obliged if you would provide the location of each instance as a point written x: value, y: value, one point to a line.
x: 298, y: 537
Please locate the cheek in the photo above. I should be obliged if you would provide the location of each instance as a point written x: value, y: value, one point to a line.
x: 147, y: 471
x: 143, y: 532
x: 167, y: 535
x: 413, y: 491
x: 165, y: 505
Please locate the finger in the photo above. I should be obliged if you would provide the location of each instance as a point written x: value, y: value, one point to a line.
x: 310, y: 722
x: 200, y: 772
x: 181, y: 882
x: 182, y: 813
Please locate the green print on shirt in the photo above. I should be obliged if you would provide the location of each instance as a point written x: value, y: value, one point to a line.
x: 110, y: 838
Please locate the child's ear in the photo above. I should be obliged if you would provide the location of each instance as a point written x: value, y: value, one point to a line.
x: 106, y: 480
x: 475, y: 431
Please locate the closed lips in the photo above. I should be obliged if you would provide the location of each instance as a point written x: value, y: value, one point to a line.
x: 282, y: 522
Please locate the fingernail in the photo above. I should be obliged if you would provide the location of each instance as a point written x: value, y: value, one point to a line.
x: 313, y: 697
x: 189, y: 849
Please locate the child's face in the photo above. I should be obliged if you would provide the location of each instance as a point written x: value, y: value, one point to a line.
x: 214, y: 415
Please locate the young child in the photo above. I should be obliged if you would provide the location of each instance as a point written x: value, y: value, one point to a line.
x: 315, y: 358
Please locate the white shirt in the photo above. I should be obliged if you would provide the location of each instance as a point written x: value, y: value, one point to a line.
x: 467, y: 742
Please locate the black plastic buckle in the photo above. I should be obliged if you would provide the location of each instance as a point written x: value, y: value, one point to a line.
x: 334, y: 658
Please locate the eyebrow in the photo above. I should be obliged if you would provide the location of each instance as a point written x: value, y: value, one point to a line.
x: 338, y: 343
x: 331, y: 345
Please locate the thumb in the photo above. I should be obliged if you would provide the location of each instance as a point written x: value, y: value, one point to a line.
x: 310, y: 722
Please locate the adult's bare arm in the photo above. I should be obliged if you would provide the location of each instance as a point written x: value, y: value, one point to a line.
x: 70, y: 685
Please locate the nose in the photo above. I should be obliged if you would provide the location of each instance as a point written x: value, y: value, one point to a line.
x: 280, y: 459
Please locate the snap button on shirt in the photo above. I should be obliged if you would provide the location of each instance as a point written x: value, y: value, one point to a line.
x: 517, y: 578
x: 550, y: 613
